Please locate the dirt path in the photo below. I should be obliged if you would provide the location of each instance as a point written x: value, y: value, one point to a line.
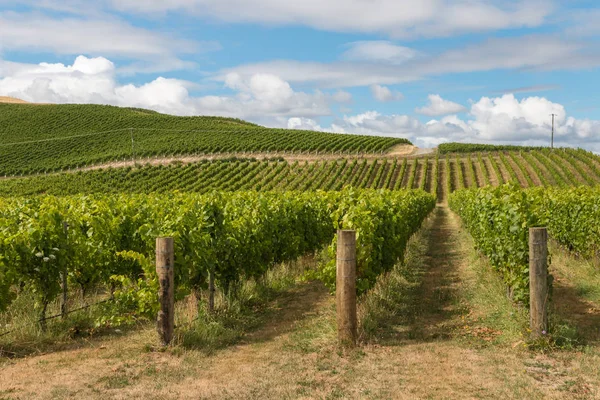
x: 437, y: 305
x: 441, y: 188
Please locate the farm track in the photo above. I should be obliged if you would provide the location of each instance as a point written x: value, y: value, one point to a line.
x: 442, y: 196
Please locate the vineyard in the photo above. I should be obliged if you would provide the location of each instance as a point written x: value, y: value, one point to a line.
x: 242, y: 203
x: 108, y: 241
x: 438, y: 175
x: 38, y: 140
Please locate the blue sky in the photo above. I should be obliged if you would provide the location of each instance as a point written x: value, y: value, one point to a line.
x: 433, y: 71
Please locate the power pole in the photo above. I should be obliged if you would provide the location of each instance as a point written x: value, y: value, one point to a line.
x: 552, y: 137
x: 132, y: 146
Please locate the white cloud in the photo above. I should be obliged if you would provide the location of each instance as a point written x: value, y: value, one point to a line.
x: 261, y: 97
x: 384, y: 94
x: 498, y: 120
x: 532, y: 52
x: 438, y: 106
x: 380, y: 51
x: 342, y: 97
x: 396, y: 18
x: 272, y: 101
x: 303, y: 123
x: 98, y: 35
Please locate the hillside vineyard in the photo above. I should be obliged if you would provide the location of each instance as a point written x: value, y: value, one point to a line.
x: 41, y: 139
x: 439, y: 174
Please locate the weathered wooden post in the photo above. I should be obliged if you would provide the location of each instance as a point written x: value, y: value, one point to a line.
x: 164, y: 270
x: 538, y: 281
x: 345, y: 292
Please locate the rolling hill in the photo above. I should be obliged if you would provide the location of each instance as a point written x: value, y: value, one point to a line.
x: 53, y: 138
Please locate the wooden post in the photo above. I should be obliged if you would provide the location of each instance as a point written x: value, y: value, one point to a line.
x: 538, y: 281
x: 345, y: 292
x: 164, y: 270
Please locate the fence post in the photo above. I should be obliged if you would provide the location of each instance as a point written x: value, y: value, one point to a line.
x: 164, y: 269
x: 345, y: 292
x: 538, y: 281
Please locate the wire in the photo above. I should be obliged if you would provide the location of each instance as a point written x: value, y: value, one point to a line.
x: 60, y: 315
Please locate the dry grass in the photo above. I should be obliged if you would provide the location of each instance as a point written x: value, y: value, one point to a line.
x: 12, y: 100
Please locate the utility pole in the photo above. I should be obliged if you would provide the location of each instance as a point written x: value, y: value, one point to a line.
x: 132, y: 146
x: 552, y: 137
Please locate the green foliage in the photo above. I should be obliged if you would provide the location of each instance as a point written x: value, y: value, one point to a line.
x: 384, y: 222
x: 572, y: 217
x: 475, y: 147
x: 499, y: 220
x: 204, y: 177
x: 235, y: 236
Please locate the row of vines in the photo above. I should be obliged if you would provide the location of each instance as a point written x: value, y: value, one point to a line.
x: 232, y: 175
x: 562, y: 168
x: 59, y: 154
x: 108, y: 241
x: 499, y: 220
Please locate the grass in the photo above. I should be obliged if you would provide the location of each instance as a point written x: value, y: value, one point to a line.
x: 234, y: 317
x: 582, y: 274
x: 491, y: 318
x: 392, y: 300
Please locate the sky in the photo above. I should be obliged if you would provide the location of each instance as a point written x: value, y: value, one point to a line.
x: 432, y: 71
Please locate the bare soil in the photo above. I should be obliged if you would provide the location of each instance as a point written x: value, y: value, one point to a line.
x: 503, y: 171
x: 534, y: 177
x: 522, y: 180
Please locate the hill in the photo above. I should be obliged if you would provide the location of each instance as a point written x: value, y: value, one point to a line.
x: 57, y: 137
x: 22, y: 123
x: 12, y: 100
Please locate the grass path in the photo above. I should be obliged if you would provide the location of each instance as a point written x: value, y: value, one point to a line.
x: 442, y: 345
